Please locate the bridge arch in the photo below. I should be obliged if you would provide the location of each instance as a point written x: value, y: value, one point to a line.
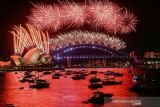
x: 87, y: 52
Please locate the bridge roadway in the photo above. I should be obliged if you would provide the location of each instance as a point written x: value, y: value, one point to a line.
x: 29, y: 68
x: 52, y: 67
x: 47, y: 68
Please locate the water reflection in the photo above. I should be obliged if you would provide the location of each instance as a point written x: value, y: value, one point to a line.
x: 63, y: 92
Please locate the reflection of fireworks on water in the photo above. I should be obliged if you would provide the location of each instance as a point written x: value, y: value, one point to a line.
x: 106, y: 15
x: 79, y: 37
x: 28, y: 38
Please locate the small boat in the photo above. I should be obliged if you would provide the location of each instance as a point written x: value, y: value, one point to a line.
x: 111, y: 81
x: 100, y: 98
x: 84, y: 74
x: 93, y: 72
x: 95, y: 85
x: 27, y: 73
x: 57, y: 74
x: 46, y: 73
x: 23, y: 80
x: 55, y: 77
x: 21, y: 88
x: 118, y: 74
x: 68, y: 73
x: 39, y: 84
x: 31, y: 80
x: 78, y: 77
x: 101, y: 72
x: 109, y: 73
x: 83, y: 71
x: 94, y: 79
x: 28, y: 76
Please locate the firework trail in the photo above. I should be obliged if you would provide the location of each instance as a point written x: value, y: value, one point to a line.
x: 29, y: 38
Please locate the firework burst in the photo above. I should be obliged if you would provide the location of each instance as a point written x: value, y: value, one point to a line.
x: 106, y: 15
x: 46, y: 17
x: 80, y: 37
x: 28, y: 38
x: 74, y: 14
x: 128, y: 22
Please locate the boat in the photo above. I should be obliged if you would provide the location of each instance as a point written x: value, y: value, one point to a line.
x: 84, y: 74
x: 31, y: 80
x: 94, y: 79
x: 101, y: 72
x: 46, y: 73
x: 93, y: 72
x: 68, y: 73
x: 39, y: 84
x: 21, y: 88
x: 100, y: 98
x: 57, y: 74
x: 83, y: 71
x: 78, y: 77
x: 28, y: 76
x: 111, y: 81
x: 23, y: 80
x: 118, y: 74
x: 55, y: 77
x: 95, y: 85
x: 109, y: 73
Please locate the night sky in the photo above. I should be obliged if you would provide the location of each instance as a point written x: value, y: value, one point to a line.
x: 14, y: 12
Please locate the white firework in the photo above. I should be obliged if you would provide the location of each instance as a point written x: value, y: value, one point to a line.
x: 106, y: 15
x: 128, y: 22
x: 49, y: 15
x: 86, y: 37
x: 74, y: 14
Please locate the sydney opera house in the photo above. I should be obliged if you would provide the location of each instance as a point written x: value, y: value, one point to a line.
x: 32, y: 57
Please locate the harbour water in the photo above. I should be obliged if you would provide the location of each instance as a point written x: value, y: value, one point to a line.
x: 63, y: 92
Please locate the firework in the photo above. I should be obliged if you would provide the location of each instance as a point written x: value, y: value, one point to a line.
x: 105, y: 15
x: 28, y: 38
x: 80, y: 37
x: 128, y: 22
x: 74, y: 14
x: 98, y: 15
x: 46, y: 17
